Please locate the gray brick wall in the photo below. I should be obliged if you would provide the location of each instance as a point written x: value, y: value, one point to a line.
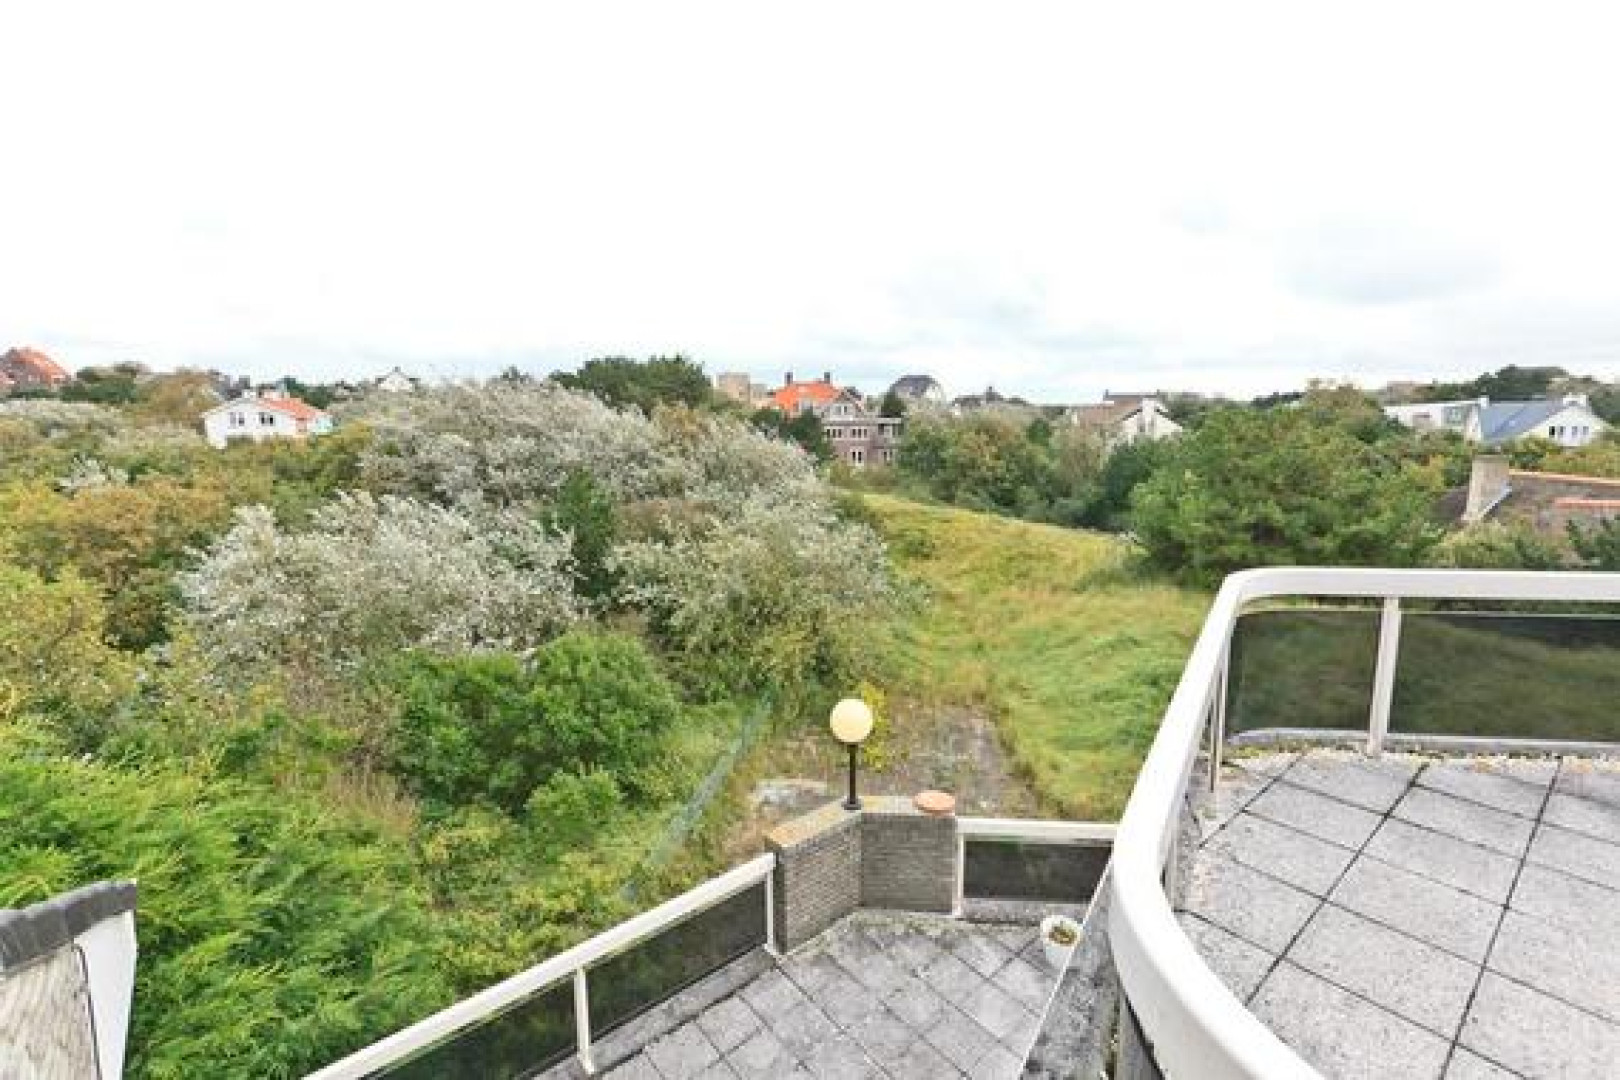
x: 887, y: 855
x: 818, y: 873
x: 908, y: 859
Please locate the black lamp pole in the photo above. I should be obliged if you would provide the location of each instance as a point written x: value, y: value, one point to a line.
x: 852, y: 803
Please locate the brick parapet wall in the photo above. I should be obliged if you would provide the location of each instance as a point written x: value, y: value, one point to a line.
x: 818, y: 872
x: 832, y: 861
x: 908, y: 858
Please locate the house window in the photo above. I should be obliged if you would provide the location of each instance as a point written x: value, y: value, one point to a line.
x: 237, y: 419
x: 267, y: 419
x: 888, y: 457
x: 857, y: 456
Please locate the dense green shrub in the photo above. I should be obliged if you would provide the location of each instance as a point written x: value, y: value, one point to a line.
x: 1282, y: 487
x: 1598, y: 545
x: 493, y: 728
x: 274, y: 936
x: 1492, y: 545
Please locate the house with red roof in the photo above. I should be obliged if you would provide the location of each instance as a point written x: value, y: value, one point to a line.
x: 30, y: 369
x: 858, y: 435
x: 257, y: 416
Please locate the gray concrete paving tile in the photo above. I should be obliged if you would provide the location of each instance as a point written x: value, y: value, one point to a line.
x: 1537, y: 1035
x: 1577, y: 905
x: 771, y: 994
x: 1235, y: 791
x: 1343, y: 1036
x: 880, y: 975
x: 1029, y: 986
x: 1321, y: 816
x: 1296, y: 857
x: 1247, y: 903
x: 683, y: 1053
x: 917, y: 1005
x: 950, y: 978
x: 1465, y: 820
x: 884, y: 1036
x: 915, y: 952
x: 727, y: 1023
x: 1410, y: 978
x: 1598, y: 781
x: 995, y: 1010
x: 841, y: 1058
x: 849, y: 1004
x: 923, y: 1062
x: 762, y: 1055
x: 1582, y: 969
x: 961, y: 1039
x: 1577, y: 855
x: 801, y: 1028
x: 637, y: 1068
x: 718, y: 1071
x: 981, y: 952
x: 1596, y: 819
x: 816, y: 973
x: 1467, y: 1065
x: 1469, y: 867
x: 1418, y: 907
x: 999, y: 1064
x: 1240, y: 965
x: 1374, y: 784
x: 1515, y: 785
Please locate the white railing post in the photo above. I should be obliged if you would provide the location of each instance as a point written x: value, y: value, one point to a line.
x: 1217, y: 718
x: 1383, y: 690
x: 582, y: 1021
x: 770, y: 914
x: 960, y: 907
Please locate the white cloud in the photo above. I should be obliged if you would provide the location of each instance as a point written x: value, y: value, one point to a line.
x: 1052, y: 198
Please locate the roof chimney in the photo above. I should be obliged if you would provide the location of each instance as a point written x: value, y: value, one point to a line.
x: 1487, y: 486
x: 787, y: 379
x: 826, y: 376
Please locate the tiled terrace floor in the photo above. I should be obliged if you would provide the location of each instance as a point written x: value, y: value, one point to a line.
x: 878, y: 995
x: 1418, y: 917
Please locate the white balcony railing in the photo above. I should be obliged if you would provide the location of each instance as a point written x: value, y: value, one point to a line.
x: 575, y: 965
x: 1194, y: 1027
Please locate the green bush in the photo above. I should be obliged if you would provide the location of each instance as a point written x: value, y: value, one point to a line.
x: 492, y: 728
x: 274, y: 936
x: 1494, y: 545
x: 1283, y: 487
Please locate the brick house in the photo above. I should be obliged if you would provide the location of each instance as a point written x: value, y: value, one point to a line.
x: 859, y: 436
x: 30, y: 369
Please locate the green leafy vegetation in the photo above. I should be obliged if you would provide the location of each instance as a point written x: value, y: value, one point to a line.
x: 380, y: 718
x: 1054, y: 633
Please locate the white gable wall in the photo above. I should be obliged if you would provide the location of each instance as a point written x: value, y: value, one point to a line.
x: 248, y: 420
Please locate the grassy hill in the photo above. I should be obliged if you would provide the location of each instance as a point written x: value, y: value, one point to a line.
x: 1050, y: 631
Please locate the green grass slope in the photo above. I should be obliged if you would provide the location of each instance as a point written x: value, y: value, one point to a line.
x: 1071, y: 653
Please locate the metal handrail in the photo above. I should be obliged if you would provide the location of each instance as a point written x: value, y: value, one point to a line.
x: 1195, y: 1026
x: 573, y: 964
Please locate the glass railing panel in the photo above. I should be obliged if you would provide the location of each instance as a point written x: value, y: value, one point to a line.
x: 1305, y: 668
x: 629, y: 983
x: 997, y: 869
x: 1513, y: 676
x: 531, y: 1036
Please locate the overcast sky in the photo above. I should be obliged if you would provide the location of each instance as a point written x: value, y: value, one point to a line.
x: 1054, y: 199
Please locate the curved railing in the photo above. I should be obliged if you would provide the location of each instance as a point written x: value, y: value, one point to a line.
x: 1194, y: 1027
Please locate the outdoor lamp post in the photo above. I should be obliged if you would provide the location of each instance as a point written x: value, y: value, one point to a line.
x: 851, y: 723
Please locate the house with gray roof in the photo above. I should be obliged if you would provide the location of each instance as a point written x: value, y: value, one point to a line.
x: 1567, y: 420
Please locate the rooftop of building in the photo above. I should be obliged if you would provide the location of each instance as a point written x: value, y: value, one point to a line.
x: 1417, y: 916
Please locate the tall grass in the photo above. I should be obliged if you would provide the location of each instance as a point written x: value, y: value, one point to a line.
x: 1054, y: 632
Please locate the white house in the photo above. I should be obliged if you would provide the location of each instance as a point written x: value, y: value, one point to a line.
x: 271, y: 414
x: 1567, y: 420
x: 1125, y: 418
x: 396, y: 382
